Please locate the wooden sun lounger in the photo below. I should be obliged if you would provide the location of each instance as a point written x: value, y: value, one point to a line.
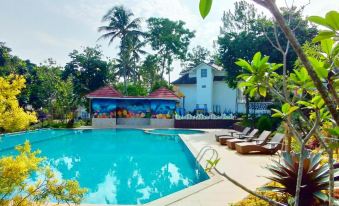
x: 270, y: 147
x: 233, y: 134
x: 263, y: 137
x: 223, y: 140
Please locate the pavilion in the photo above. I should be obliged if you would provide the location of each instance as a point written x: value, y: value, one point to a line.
x: 109, y: 108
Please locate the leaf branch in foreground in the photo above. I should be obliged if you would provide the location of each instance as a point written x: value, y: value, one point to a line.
x: 272, y: 202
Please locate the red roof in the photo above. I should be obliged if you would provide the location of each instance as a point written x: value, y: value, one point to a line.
x: 110, y: 92
x: 107, y: 91
x: 163, y: 93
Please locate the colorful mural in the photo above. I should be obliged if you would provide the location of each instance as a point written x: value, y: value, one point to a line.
x: 103, y: 108
x: 163, y: 109
x: 133, y: 108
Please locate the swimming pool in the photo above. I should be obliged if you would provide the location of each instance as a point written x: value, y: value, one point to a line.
x: 117, y: 166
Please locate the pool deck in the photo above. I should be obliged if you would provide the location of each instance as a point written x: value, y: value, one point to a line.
x: 217, y: 191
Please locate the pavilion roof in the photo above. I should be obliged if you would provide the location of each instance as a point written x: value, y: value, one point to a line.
x: 105, y: 92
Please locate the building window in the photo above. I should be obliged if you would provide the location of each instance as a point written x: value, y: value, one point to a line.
x: 203, y: 86
x: 204, y: 73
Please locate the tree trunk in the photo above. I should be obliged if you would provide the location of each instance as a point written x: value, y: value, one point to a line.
x: 125, y: 82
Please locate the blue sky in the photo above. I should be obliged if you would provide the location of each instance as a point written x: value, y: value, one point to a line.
x: 39, y: 29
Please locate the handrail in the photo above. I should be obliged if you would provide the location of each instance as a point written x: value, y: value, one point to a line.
x: 203, y: 152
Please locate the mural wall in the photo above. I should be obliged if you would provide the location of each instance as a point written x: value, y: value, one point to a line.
x: 133, y: 108
x: 163, y: 109
x: 104, y: 108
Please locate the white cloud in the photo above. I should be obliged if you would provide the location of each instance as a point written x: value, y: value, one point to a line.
x: 55, y: 28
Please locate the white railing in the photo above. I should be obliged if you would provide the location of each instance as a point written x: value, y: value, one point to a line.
x: 259, y: 108
x: 204, y: 117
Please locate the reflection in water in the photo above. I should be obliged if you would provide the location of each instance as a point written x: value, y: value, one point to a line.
x: 106, y: 191
x: 121, y: 166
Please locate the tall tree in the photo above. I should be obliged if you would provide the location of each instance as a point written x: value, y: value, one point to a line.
x: 120, y: 25
x: 149, y: 70
x: 88, y: 69
x: 244, y: 32
x: 170, y: 39
x: 198, y: 55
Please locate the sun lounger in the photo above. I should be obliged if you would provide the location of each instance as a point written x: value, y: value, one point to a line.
x: 263, y: 137
x: 270, y: 147
x: 223, y: 140
x: 233, y: 134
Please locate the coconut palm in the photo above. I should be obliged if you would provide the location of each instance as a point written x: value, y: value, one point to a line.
x: 120, y: 26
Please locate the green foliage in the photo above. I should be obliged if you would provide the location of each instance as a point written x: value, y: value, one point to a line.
x: 244, y: 32
x: 264, y: 123
x: 257, y: 78
x: 170, y: 39
x: 314, y: 181
x: 198, y: 55
x: 15, y: 189
x: 286, y: 110
x: 149, y: 70
x: 161, y: 83
x: 132, y: 89
x: 88, y: 70
x: 211, y: 164
x: 205, y: 7
x: 330, y: 22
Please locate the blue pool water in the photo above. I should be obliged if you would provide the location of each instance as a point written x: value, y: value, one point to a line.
x: 175, y: 131
x: 117, y: 166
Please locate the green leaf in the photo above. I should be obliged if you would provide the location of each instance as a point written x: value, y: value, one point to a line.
x: 307, y: 104
x: 326, y: 46
x: 205, y: 7
x: 244, y: 84
x: 256, y: 59
x: 318, y: 20
x: 262, y: 91
x: 334, y: 131
x: 244, y: 64
x: 285, y: 108
x: 323, y: 35
x: 332, y: 20
x: 292, y: 109
x: 277, y: 113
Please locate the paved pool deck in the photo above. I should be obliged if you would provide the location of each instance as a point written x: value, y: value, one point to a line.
x: 247, y: 169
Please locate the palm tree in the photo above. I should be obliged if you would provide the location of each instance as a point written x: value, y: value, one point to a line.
x: 120, y: 25
x: 135, y: 47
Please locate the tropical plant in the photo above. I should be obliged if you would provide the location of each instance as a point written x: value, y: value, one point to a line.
x: 314, y: 183
x: 310, y: 101
x: 17, y: 187
x: 120, y: 25
x: 12, y: 116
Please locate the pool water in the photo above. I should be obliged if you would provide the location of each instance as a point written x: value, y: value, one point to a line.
x: 117, y: 166
x: 175, y: 131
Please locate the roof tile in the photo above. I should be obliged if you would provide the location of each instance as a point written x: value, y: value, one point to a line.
x: 106, y: 91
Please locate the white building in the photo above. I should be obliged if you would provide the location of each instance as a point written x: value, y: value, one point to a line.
x: 204, y: 88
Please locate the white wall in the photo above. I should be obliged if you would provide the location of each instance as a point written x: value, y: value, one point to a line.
x: 189, y: 90
x: 205, y: 95
x: 224, y: 96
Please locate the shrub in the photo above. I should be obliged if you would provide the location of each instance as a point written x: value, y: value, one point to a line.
x: 251, y: 200
x: 16, y: 190
x: 264, y: 123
